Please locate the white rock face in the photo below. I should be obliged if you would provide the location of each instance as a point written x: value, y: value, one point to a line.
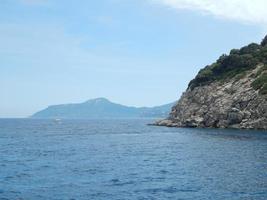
x: 230, y: 104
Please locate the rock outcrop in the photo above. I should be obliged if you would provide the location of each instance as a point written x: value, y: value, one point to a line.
x: 223, y: 96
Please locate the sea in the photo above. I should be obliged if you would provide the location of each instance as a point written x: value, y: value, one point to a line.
x: 129, y: 160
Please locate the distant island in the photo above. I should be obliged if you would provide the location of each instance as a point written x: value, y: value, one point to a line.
x: 101, y: 108
x: 230, y: 93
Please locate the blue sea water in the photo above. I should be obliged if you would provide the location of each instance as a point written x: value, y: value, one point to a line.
x: 126, y: 159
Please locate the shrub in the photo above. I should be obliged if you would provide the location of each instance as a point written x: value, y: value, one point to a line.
x: 251, y: 48
x: 264, y: 41
x: 260, y: 81
x: 262, y: 69
x: 263, y: 90
x: 234, y: 51
x: 233, y: 65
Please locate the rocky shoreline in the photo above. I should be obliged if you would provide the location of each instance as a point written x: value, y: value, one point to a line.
x: 231, y: 103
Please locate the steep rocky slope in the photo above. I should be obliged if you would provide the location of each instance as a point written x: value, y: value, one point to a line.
x: 230, y: 93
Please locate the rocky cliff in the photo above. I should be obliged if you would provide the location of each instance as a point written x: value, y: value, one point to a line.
x: 230, y: 93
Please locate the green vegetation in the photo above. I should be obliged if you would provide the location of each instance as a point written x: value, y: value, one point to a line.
x: 264, y: 41
x: 262, y: 69
x: 261, y: 83
x: 235, y: 66
x: 263, y: 90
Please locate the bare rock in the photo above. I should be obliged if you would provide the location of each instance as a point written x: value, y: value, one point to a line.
x: 232, y: 104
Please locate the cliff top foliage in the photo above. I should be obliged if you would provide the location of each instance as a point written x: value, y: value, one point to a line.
x: 260, y: 82
x: 235, y: 65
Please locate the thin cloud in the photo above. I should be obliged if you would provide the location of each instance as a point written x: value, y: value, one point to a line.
x: 245, y: 11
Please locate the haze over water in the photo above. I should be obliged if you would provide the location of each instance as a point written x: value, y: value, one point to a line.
x: 126, y: 159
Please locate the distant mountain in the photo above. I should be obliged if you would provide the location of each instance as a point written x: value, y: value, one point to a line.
x: 101, y: 108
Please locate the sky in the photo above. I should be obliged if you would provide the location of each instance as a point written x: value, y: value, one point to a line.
x: 133, y: 52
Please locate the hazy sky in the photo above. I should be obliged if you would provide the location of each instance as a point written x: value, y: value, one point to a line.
x: 134, y: 52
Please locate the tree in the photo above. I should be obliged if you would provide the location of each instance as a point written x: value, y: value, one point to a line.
x: 264, y: 41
